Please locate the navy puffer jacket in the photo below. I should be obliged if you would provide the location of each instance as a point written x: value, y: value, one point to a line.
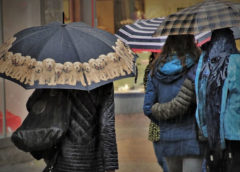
x: 163, y: 87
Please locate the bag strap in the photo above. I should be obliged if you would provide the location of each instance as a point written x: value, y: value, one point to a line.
x: 52, y: 162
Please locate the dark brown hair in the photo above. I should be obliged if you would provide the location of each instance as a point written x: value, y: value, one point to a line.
x: 181, y: 45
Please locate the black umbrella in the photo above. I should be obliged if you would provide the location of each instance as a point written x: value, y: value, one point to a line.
x: 71, y: 56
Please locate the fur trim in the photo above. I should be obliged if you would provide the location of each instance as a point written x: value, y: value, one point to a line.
x: 28, y: 70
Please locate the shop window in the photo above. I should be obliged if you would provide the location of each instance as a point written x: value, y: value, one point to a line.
x: 238, y: 44
x: 72, y: 11
x: 9, y: 121
x: 2, y: 118
x: 105, y: 15
x: 110, y: 15
x: 127, y: 12
x: 134, y: 84
x: 16, y: 98
x: 13, y: 97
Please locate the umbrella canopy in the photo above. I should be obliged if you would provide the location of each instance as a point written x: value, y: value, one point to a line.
x: 206, y: 16
x: 72, y: 56
x: 139, y: 35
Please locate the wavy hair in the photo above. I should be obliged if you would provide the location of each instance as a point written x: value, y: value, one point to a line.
x: 181, y: 45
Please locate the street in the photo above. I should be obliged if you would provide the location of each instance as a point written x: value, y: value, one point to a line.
x: 135, y: 152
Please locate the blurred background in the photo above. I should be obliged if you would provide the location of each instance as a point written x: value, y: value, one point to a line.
x: 135, y: 151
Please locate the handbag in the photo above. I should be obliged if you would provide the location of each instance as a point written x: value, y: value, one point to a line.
x: 46, y: 122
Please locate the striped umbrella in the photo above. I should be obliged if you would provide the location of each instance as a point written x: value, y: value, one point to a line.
x: 206, y: 16
x: 139, y: 35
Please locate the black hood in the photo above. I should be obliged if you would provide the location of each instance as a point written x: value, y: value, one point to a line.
x: 222, y: 41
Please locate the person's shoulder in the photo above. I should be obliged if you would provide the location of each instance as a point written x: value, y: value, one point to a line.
x: 234, y: 60
x: 235, y: 55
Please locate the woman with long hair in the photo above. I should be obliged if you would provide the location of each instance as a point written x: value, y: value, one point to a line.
x: 170, y: 104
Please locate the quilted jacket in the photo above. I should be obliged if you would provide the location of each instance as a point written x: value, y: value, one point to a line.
x: 171, y: 85
x: 178, y: 106
x: 90, y: 141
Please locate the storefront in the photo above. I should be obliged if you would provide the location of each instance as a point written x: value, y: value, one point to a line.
x: 23, y: 14
x: 16, y: 15
x: 109, y: 15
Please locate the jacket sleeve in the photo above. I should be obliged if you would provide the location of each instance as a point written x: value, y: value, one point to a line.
x: 178, y: 106
x: 150, y: 97
x: 107, y: 126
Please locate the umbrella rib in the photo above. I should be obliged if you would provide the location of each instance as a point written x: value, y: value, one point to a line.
x: 95, y: 36
x: 45, y: 44
x: 74, y: 46
x: 52, y: 42
x: 29, y: 35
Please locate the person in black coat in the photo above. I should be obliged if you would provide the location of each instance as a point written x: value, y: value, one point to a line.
x: 90, y: 141
x: 217, y: 89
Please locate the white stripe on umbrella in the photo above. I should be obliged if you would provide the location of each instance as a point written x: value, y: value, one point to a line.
x: 139, y: 36
x: 198, y: 36
x: 139, y: 30
x: 151, y: 24
x: 160, y: 44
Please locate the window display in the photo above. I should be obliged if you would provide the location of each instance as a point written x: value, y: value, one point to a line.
x: 134, y: 84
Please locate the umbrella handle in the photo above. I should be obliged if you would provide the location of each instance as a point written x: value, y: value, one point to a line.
x: 92, y: 13
x: 63, y: 15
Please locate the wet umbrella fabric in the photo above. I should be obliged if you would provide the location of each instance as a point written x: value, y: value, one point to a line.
x: 206, y: 16
x: 139, y: 35
x: 72, y: 56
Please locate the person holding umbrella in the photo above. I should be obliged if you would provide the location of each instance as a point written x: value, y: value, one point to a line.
x: 170, y: 102
x: 217, y: 89
x: 71, y: 120
x: 139, y: 36
x: 154, y: 129
x: 89, y: 143
x: 217, y: 80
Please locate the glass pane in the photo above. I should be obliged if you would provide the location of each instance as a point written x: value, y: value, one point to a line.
x: 127, y: 12
x: 16, y: 98
x: 128, y: 84
x: 238, y: 44
x: 1, y: 108
x: 72, y: 10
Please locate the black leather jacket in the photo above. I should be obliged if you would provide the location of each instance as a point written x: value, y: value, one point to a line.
x: 90, y: 142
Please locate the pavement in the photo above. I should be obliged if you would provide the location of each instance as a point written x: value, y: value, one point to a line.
x: 135, y: 152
